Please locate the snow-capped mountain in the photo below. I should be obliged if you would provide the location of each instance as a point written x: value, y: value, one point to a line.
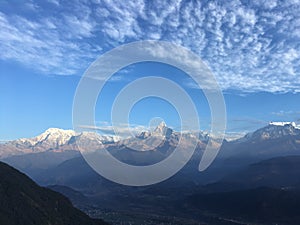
x: 163, y: 138
x: 86, y: 137
x: 273, y: 130
x: 55, y: 146
x: 160, y: 131
x: 59, y: 140
x: 275, y: 139
x: 53, y: 139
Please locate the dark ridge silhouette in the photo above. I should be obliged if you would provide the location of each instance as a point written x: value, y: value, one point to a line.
x: 23, y: 202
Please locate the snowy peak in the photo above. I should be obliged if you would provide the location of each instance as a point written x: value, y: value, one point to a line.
x: 274, y: 130
x: 282, y: 124
x: 59, y: 140
x: 55, y: 136
x: 53, y: 139
x: 160, y: 130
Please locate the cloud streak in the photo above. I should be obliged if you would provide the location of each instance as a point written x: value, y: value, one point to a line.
x: 122, y: 130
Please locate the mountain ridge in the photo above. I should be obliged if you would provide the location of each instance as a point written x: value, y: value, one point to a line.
x: 272, y: 131
x: 23, y: 202
x: 53, y: 139
x: 162, y: 138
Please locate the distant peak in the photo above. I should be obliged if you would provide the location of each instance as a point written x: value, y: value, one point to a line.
x: 160, y: 128
x: 162, y: 125
x: 163, y: 130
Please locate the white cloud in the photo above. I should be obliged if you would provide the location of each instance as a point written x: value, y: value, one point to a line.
x: 40, y: 45
x: 30, y: 5
x: 55, y: 2
x: 249, y: 47
x: 122, y: 130
x: 283, y: 113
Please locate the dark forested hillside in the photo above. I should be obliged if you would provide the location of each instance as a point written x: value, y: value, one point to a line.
x: 22, y: 202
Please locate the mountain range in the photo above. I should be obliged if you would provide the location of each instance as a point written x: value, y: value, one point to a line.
x: 59, y: 140
x: 53, y: 139
x: 267, y: 157
x: 55, y: 146
x: 273, y: 140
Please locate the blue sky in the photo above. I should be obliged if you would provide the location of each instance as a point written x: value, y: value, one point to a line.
x: 252, y: 47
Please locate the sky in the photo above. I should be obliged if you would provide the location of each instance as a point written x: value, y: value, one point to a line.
x: 252, y: 48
